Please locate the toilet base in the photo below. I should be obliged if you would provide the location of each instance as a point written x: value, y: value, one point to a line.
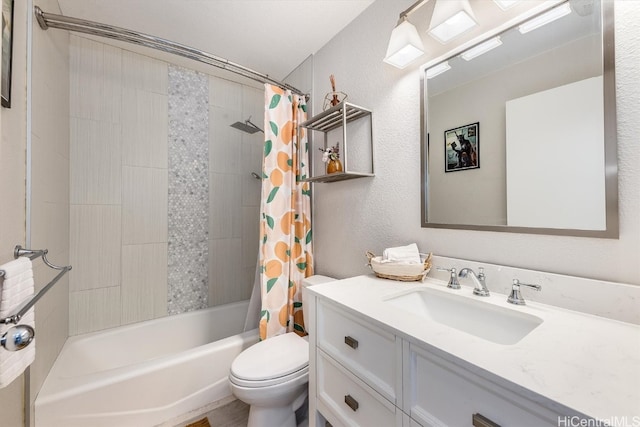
x: 261, y: 417
x: 285, y: 416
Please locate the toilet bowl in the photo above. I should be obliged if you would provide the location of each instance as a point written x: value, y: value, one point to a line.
x: 272, y: 376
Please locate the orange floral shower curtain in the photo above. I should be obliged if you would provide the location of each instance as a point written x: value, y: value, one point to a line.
x: 285, y: 218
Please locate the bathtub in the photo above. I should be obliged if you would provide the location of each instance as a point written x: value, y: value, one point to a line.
x: 146, y: 373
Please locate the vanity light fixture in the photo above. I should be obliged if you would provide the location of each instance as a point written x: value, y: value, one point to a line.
x: 482, y: 48
x: 450, y: 19
x: 405, y: 44
x: 438, y: 69
x: 545, y: 18
x: 505, y: 4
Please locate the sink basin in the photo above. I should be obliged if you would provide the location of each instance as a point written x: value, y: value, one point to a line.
x: 476, y: 317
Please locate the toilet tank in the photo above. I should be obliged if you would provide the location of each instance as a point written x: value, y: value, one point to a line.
x: 310, y: 281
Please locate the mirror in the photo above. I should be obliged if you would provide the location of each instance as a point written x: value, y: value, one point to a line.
x: 522, y: 138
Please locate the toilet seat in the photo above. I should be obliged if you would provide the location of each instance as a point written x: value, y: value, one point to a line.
x: 273, y: 361
x: 301, y: 374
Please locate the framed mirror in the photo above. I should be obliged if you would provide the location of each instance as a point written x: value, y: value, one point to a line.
x: 519, y: 131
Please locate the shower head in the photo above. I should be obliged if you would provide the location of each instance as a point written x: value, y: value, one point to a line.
x: 248, y: 126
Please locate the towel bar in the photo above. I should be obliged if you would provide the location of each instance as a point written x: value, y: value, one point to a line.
x: 33, y: 254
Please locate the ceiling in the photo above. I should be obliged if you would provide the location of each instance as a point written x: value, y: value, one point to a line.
x: 269, y: 36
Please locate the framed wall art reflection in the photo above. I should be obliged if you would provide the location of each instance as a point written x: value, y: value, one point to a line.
x: 7, y: 45
x: 462, y: 148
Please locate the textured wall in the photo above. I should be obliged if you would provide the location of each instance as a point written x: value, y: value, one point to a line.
x: 12, y: 188
x: 371, y: 214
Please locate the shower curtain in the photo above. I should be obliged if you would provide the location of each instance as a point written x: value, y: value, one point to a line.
x: 285, y: 214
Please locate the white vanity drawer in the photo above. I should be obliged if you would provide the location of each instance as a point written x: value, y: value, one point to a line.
x: 374, y: 355
x: 439, y: 394
x: 352, y: 401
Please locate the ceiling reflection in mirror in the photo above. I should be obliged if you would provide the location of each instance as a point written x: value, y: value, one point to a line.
x: 538, y: 108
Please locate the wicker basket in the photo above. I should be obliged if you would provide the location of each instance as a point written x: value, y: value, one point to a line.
x: 402, y: 272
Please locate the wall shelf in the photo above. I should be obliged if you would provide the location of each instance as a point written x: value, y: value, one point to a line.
x: 344, y: 117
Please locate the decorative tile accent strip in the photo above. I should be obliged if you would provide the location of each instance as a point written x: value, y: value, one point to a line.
x: 188, y: 210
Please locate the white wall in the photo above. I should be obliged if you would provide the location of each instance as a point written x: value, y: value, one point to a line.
x: 49, y: 197
x: 49, y: 217
x: 354, y: 216
x: 12, y: 188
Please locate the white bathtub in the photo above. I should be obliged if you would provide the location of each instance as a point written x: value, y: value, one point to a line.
x: 145, y: 373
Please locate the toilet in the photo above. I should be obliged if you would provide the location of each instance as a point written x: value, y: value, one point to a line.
x: 272, y: 375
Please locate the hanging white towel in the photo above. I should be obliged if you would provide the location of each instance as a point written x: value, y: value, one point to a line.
x: 406, y: 254
x: 15, y: 288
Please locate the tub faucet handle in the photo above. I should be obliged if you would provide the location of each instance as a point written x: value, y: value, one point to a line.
x: 453, y: 277
x: 515, y: 297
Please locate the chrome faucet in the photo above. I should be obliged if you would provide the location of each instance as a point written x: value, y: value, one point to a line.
x: 516, y: 297
x: 480, y: 288
x: 453, y: 277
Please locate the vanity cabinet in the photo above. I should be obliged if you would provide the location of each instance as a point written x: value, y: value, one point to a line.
x: 364, y: 374
x: 358, y: 370
x: 439, y: 393
x: 351, y: 127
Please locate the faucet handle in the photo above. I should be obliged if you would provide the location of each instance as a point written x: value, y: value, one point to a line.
x: 453, y: 277
x: 515, y: 297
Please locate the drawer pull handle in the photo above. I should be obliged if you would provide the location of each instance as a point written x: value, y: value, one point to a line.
x: 351, y: 342
x: 351, y: 402
x: 482, y: 421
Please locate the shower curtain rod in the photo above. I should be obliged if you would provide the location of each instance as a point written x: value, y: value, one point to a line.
x: 50, y: 20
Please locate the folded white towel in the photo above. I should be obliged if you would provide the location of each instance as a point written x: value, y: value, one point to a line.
x: 11, y: 298
x: 408, y: 254
x: 15, y: 288
x: 16, y: 267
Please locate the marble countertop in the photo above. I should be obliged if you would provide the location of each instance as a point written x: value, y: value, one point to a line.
x: 586, y: 363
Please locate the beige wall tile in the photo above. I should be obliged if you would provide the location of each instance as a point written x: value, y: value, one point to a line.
x: 50, y: 172
x: 144, y: 129
x: 52, y: 231
x: 95, y: 70
x: 112, y: 84
x: 96, y: 171
x: 142, y: 72
x: 245, y: 285
x: 94, y: 310
x: 225, y: 205
x: 95, y: 246
x: 144, y: 282
x: 253, y: 105
x: 144, y: 205
x: 250, y: 235
x: 225, y: 142
x: 224, y: 93
x: 224, y: 271
x: 252, y: 149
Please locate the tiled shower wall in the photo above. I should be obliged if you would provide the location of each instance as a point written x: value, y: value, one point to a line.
x: 188, y: 190
x: 126, y: 214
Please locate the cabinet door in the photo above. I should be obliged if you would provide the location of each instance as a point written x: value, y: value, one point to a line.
x: 374, y: 355
x: 350, y: 401
x: 439, y: 393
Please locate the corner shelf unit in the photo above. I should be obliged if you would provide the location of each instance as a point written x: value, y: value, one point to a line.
x: 334, y: 118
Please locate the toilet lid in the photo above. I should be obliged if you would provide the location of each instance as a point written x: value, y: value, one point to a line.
x: 272, y: 358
